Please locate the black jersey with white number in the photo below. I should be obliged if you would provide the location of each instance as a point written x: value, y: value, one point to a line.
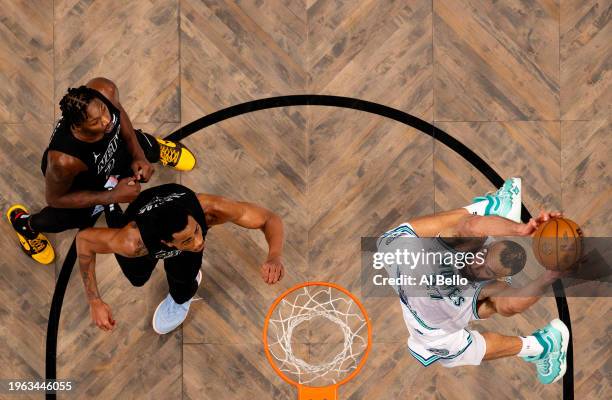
x: 102, y: 158
x: 156, y: 199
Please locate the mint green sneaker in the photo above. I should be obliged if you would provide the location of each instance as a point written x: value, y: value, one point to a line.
x: 551, y: 364
x: 505, y: 202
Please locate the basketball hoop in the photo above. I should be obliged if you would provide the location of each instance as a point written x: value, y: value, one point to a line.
x: 317, y: 305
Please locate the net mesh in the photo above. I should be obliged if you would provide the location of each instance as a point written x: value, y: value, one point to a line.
x: 313, y: 304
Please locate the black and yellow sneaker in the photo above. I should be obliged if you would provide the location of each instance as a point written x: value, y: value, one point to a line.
x: 34, y: 244
x: 175, y: 155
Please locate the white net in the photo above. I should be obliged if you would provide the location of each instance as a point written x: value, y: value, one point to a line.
x: 335, y: 330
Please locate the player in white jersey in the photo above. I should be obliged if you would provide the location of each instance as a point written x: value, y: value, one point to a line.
x: 437, y: 313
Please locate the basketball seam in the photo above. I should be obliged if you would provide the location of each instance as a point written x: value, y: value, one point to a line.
x: 571, y: 229
x: 541, y: 258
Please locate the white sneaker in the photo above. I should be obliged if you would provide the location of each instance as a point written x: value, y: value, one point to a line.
x: 169, y: 315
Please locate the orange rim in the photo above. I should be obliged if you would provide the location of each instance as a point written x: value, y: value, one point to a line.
x: 293, y: 289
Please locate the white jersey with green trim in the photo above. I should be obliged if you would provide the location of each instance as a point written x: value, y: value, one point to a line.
x: 434, y: 306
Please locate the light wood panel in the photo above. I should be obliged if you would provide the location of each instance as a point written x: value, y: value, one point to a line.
x: 353, y: 45
x: 26, y: 49
x: 496, y: 61
x: 585, y: 32
x: 530, y: 150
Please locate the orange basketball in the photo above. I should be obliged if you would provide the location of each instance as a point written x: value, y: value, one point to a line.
x: 557, y: 244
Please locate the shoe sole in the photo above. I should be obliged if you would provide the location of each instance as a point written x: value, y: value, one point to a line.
x: 198, y: 279
x: 154, y: 318
x: 565, y: 337
x: 153, y: 323
x: 8, y: 217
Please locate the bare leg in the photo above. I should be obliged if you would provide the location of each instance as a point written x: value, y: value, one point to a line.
x: 431, y: 225
x: 500, y: 346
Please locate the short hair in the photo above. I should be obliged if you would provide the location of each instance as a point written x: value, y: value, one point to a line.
x: 74, y: 104
x: 166, y: 220
x: 513, y: 256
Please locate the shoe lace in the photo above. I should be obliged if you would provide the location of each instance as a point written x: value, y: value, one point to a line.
x: 176, y: 308
x: 503, y: 192
x: 38, y: 244
x: 169, y: 155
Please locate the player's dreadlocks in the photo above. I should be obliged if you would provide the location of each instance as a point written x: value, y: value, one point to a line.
x: 74, y: 104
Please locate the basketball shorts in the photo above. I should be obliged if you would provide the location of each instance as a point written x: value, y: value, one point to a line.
x: 449, y: 348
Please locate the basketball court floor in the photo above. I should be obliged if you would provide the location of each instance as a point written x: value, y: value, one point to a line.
x: 525, y: 84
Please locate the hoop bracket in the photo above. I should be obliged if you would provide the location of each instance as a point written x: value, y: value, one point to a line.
x: 318, y: 393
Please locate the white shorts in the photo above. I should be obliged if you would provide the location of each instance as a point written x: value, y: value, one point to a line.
x: 451, y: 349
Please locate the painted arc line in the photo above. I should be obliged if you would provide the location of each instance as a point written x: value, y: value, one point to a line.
x: 314, y: 100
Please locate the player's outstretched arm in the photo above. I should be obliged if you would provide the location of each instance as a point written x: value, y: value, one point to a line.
x: 500, y: 298
x: 90, y: 242
x: 492, y: 225
x: 220, y: 210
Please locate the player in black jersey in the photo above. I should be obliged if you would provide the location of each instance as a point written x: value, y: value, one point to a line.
x: 170, y: 222
x: 95, y: 158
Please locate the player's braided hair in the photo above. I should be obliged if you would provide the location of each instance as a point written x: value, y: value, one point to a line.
x: 74, y: 104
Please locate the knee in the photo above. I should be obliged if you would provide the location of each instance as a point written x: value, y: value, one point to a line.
x: 472, y: 354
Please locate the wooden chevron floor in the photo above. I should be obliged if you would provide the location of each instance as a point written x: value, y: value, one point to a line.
x: 525, y: 84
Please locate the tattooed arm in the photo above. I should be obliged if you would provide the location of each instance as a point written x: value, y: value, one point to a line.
x: 89, y: 242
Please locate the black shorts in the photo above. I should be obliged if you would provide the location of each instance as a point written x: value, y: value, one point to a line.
x: 181, y: 272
